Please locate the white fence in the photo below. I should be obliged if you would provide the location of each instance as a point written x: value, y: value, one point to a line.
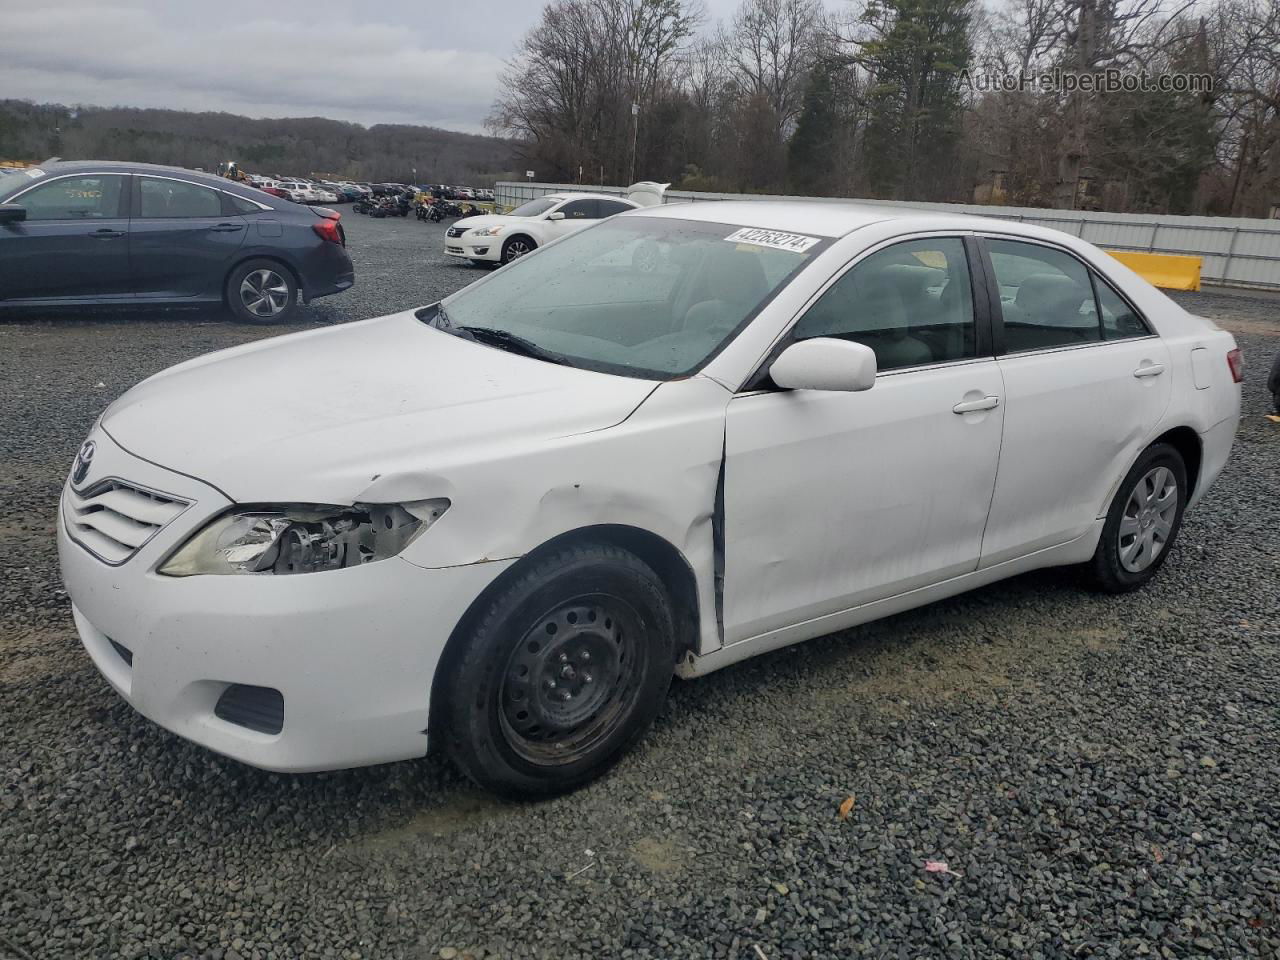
x: 1236, y: 252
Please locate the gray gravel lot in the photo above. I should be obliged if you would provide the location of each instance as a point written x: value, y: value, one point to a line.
x: 1101, y: 774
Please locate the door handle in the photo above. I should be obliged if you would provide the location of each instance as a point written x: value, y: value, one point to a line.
x: 1149, y: 370
x: 970, y: 406
x: 106, y: 234
x: 226, y: 227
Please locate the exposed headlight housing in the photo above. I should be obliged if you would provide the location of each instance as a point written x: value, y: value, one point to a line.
x: 302, y: 539
x: 487, y: 231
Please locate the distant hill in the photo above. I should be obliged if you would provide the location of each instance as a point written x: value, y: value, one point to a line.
x: 290, y: 146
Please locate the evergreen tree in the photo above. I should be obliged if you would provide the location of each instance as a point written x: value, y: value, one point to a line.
x: 915, y: 56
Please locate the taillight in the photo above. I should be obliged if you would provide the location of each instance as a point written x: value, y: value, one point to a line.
x: 1235, y: 360
x: 329, y: 230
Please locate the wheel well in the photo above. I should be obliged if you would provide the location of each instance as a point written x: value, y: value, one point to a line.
x: 1187, y: 442
x: 297, y: 280
x: 519, y: 236
x: 667, y: 562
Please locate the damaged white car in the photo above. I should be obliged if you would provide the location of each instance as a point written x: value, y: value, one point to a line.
x: 685, y: 436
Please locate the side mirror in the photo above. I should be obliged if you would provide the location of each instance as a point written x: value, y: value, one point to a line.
x: 12, y: 213
x: 825, y: 363
x: 558, y: 215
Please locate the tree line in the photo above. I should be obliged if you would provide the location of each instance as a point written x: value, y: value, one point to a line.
x: 289, y: 147
x: 887, y: 99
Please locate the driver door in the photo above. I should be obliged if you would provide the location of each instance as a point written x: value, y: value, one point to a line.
x: 834, y: 499
x: 577, y: 214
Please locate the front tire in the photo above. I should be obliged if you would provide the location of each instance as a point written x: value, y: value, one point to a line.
x: 262, y: 291
x: 1143, y: 521
x: 517, y: 247
x: 561, y: 673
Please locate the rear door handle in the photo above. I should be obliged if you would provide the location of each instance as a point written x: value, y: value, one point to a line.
x: 969, y: 406
x: 226, y: 227
x: 1149, y: 370
x: 106, y: 234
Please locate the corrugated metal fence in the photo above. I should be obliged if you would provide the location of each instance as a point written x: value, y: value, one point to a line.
x: 1237, y: 252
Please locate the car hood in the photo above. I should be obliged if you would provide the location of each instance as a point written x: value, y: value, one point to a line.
x: 374, y: 411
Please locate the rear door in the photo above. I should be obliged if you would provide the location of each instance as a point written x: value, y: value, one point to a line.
x: 74, y: 244
x: 183, y: 240
x: 1086, y: 383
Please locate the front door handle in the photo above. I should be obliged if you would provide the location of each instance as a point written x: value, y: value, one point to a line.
x: 106, y: 234
x: 1149, y: 370
x: 970, y: 406
x: 226, y: 227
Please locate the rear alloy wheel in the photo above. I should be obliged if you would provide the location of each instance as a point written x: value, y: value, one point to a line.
x: 1143, y: 521
x: 517, y: 247
x: 262, y: 291
x: 565, y: 669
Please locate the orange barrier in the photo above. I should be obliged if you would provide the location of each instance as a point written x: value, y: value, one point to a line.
x: 1163, y: 269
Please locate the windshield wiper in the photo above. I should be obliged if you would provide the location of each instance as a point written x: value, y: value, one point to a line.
x: 511, y: 342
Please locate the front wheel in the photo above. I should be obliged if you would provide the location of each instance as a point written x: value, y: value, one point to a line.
x: 517, y: 247
x: 563, y: 671
x: 1143, y: 521
x: 262, y: 291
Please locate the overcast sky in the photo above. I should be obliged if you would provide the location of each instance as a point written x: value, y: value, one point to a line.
x: 432, y: 62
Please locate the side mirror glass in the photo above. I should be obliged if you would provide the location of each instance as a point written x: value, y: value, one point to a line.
x: 558, y: 215
x: 825, y: 363
x: 12, y: 213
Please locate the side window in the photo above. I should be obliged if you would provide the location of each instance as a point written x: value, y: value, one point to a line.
x: 912, y: 303
x: 1046, y: 297
x: 176, y: 198
x: 1119, y: 320
x: 75, y: 198
x: 239, y: 204
x: 609, y: 207
x: 580, y: 210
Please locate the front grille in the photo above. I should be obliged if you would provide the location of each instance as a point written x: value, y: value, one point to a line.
x: 114, y: 519
x: 455, y: 231
x: 257, y: 708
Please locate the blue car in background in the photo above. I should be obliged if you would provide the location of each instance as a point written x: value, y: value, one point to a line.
x: 85, y: 233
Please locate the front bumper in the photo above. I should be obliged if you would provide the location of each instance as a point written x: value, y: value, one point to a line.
x: 352, y: 652
x: 474, y: 248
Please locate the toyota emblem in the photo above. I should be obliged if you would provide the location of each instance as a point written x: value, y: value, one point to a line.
x: 83, y: 459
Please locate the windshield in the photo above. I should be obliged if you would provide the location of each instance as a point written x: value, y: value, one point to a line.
x: 534, y: 207
x: 640, y: 296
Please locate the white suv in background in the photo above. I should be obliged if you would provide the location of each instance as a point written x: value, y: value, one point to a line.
x: 501, y: 238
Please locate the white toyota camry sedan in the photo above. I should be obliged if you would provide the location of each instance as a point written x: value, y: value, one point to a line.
x: 682, y: 437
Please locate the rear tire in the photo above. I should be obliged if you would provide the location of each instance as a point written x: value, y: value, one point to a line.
x: 561, y: 673
x: 262, y: 291
x: 1143, y: 522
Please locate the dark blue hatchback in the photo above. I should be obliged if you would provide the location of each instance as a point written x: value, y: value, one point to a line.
x: 85, y: 233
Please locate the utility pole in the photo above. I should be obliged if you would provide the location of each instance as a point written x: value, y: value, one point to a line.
x: 635, y: 132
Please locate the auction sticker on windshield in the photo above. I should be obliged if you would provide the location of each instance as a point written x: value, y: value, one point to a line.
x: 795, y: 242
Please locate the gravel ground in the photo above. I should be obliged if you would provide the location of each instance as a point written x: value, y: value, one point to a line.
x: 1101, y: 775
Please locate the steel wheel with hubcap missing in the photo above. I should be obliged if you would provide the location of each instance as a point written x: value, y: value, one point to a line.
x: 1143, y: 520
x: 262, y: 291
x: 1148, y: 519
x: 571, y: 679
x: 560, y: 671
